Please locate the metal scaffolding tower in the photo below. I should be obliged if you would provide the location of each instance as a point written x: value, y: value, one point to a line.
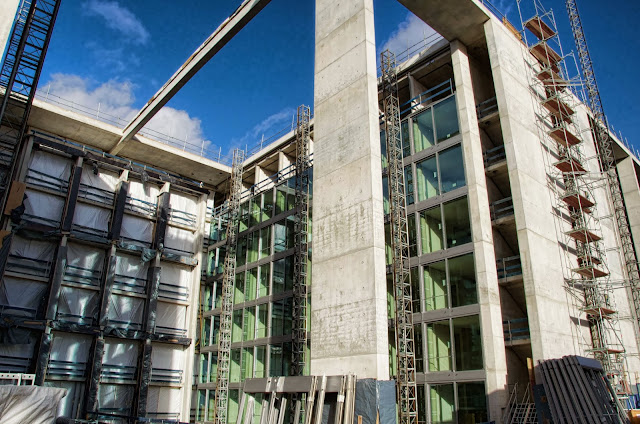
x: 19, y: 76
x: 228, y: 281
x: 405, y: 344
x: 588, y: 282
x: 301, y: 255
x: 607, y: 158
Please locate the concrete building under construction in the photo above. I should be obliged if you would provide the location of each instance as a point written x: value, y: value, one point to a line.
x: 446, y: 221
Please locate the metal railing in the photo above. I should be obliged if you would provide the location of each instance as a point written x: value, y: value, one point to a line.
x: 501, y: 208
x: 494, y: 155
x: 509, y: 267
x: 486, y: 108
x: 516, y: 329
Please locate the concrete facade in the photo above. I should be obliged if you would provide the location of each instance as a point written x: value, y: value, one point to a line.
x: 349, y: 316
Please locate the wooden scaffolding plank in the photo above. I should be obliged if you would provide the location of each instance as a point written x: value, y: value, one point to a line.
x: 539, y: 28
x: 562, y: 136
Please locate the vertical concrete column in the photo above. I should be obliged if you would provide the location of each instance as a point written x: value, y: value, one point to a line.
x: 202, y: 232
x: 8, y: 10
x: 349, y: 315
x: 538, y: 238
x: 483, y: 250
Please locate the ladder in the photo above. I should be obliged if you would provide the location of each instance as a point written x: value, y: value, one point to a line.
x: 26, y: 50
x: 405, y: 343
x: 228, y: 281
x: 301, y: 255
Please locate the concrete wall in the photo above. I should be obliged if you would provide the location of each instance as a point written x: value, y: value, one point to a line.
x: 8, y: 9
x: 349, y: 315
x: 485, y: 261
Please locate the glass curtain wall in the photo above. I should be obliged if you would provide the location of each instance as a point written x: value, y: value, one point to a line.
x: 447, y: 334
x: 262, y: 318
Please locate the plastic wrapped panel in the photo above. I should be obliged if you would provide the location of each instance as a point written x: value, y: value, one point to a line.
x: 84, y: 265
x: 21, y: 297
x: 171, y: 319
x: 180, y: 241
x: 125, y: 312
x: 78, y: 306
x: 41, y: 208
x: 30, y: 257
x: 91, y: 220
x: 49, y: 171
x: 137, y: 230
x: 98, y: 187
x: 164, y: 403
x: 175, y: 281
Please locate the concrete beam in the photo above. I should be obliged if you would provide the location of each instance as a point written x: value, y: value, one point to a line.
x: 8, y: 10
x: 216, y: 41
x: 453, y: 19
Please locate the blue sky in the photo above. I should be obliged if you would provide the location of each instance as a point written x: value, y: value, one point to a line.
x: 115, y: 54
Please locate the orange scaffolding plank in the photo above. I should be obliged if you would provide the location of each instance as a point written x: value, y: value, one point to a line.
x: 546, y: 55
x: 583, y: 234
x: 557, y: 107
x: 578, y: 201
x: 590, y: 272
x: 539, y: 28
x: 549, y: 76
x: 564, y: 137
x: 568, y: 164
x: 599, y: 311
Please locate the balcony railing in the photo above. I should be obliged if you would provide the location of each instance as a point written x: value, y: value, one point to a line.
x: 509, y: 267
x: 516, y: 329
x: 494, y: 155
x: 501, y: 208
x: 487, y: 108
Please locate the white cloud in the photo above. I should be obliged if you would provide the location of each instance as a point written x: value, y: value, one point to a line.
x: 267, y: 128
x: 408, y: 33
x: 119, y: 19
x: 116, y: 98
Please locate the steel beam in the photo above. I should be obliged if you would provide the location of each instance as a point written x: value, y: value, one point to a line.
x: 216, y: 41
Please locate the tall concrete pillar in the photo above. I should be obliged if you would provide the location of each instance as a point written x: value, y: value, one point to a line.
x: 349, y: 313
x: 8, y: 10
x: 540, y: 253
x: 483, y: 251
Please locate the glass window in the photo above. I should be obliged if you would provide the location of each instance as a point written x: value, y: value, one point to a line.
x: 413, y: 237
x: 249, y: 324
x: 451, y: 169
x: 472, y: 403
x: 415, y: 289
x: 462, y: 278
x: 265, y: 242
x: 435, y: 286
x: 236, y: 328
x: 383, y: 149
x: 442, y: 403
x: 261, y: 328
x: 417, y: 336
x: 279, y: 237
x: 241, y: 251
x: 408, y: 185
x: 238, y: 296
x: 281, y: 316
x: 439, y: 346
x: 446, y: 117
x: 431, y: 230
x: 456, y: 219
x: 427, y: 178
x: 280, y: 359
x: 278, y: 276
x: 254, y: 211
x: 388, y: 250
x: 406, y: 142
x: 252, y: 246
x: 247, y: 362
x: 261, y: 357
x: 466, y: 334
x: 263, y: 281
x: 267, y: 204
x: 206, y: 331
x: 385, y: 195
x: 423, y: 131
x: 244, y: 217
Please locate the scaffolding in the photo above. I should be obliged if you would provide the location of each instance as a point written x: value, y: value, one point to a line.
x: 587, y: 282
x: 301, y: 255
x: 607, y: 159
x: 228, y: 281
x: 19, y: 77
x: 405, y: 343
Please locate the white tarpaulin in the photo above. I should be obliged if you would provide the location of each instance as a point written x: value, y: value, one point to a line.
x: 70, y: 347
x: 179, y: 240
x: 137, y: 229
x: 45, y: 206
x: 50, y: 169
x: 94, y: 219
x: 131, y: 272
x: 84, y: 264
x: 105, y: 180
x: 176, y: 275
x: 77, y: 305
x: 120, y: 352
x: 30, y: 257
x: 15, y: 357
x: 167, y: 357
x: 171, y: 318
x: 125, y: 310
x: 115, y: 398
x: 184, y: 203
x: 164, y: 402
x: 29, y: 404
x: 145, y: 192
x: 24, y: 296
